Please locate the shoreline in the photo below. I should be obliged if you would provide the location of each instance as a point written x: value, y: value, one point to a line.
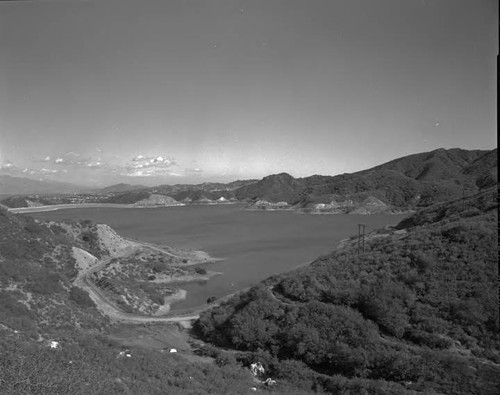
x: 192, y: 258
x: 201, y: 308
x: 54, y: 207
x: 37, y: 209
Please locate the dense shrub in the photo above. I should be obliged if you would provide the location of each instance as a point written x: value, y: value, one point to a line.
x: 200, y: 270
x: 158, y: 266
x: 390, y: 315
x: 81, y: 297
x: 45, y: 282
x: 15, y: 314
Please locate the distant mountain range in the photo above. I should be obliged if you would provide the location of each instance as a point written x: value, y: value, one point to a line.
x: 402, y: 184
x: 21, y: 185
x: 412, y: 181
x: 118, y: 188
x: 409, y: 182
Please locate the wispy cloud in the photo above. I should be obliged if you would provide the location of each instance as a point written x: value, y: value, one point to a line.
x: 43, y: 170
x: 74, y: 167
x: 7, y: 165
x: 193, y: 170
x: 141, y: 161
x: 150, y: 166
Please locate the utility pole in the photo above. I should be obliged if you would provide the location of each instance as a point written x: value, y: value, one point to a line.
x: 361, y: 237
x: 463, y: 197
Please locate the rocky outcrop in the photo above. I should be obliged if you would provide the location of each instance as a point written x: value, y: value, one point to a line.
x: 84, y: 260
x: 349, y: 205
x: 157, y: 200
x: 265, y: 205
x: 31, y: 203
x: 371, y: 205
x: 112, y: 242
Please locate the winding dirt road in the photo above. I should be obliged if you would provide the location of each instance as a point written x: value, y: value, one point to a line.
x: 110, y: 310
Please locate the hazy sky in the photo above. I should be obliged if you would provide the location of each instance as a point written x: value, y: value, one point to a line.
x: 101, y: 91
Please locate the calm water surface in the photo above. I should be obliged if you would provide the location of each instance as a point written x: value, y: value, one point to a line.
x: 255, y: 244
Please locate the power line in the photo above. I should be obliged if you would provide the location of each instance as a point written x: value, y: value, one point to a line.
x: 361, y: 237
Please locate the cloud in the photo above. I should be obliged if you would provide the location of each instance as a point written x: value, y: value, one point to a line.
x: 74, y: 160
x: 43, y: 170
x: 95, y: 164
x: 29, y: 171
x: 149, y: 166
x: 47, y: 158
x: 141, y: 161
x: 11, y: 169
x: 193, y: 170
x: 150, y: 172
x: 7, y: 167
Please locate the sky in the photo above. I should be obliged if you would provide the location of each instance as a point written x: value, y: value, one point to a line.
x: 97, y: 92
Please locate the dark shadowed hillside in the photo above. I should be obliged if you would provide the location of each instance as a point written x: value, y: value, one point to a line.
x: 416, y: 311
x: 435, y: 165
x: 274, y: 188
x: 26, y: 201
x: 128, y: 197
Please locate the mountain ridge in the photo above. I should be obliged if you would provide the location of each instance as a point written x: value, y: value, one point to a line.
x: 402, y: 184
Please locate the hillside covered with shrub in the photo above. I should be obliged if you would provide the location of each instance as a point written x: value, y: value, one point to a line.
x: 39, y: 305
x: 37, y: 268
x: 416, y: 311
x: 410, y: 182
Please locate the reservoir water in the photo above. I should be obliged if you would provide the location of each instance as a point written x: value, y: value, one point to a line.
x: 254, y: 244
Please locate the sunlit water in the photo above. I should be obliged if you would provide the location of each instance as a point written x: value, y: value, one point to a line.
x: 255, y: 244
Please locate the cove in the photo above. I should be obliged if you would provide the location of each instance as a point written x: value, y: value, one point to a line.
x: 254, y: 244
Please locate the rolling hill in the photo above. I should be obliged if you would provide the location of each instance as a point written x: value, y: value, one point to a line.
x: 406, y: 183
x: 415, y: 312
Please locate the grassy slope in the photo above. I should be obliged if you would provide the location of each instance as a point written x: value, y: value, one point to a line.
x: 419, y: 309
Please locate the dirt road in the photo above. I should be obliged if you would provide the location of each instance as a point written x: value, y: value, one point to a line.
x: 109, y: 309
